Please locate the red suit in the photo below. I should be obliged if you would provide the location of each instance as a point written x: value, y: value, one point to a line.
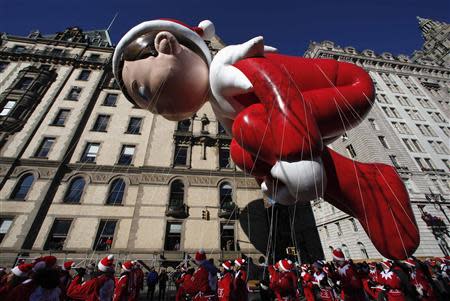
x: 326, y: 292
x: 296, y: 106
x: 97, y: 289
x: 371, y: 284
x: 307, y: 285
x: 225, y: 287
x: 240, y: 285
x: 422, y: 286
x: 29, y: 290
x: 392, y: 286
x: 352, y: 287
x: 197, y: 286
x: 125, y: 289
x: 185, y: 277
x: 285, y: 287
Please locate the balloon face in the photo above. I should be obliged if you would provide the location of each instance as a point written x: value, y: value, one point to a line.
x: 165, y: 77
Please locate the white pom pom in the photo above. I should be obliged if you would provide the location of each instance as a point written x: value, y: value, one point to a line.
x: 208, y: 29
x: 110, y: 257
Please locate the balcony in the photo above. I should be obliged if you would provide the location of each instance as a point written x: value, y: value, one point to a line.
x: 228, y: 211
x: 177, y: 211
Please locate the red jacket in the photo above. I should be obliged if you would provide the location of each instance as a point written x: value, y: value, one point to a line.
x: 286, y: 286
x: 422, y: 286
x: 352, y: 287
x: 125, y: 288
x: 225, y: 287
x: 392, y: 285
x: 307, y: 286
x: 100, y: 288
x: 197, y: 286
x: 240, y: 285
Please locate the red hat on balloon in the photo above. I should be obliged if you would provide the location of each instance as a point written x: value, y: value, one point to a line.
x: 68, y: 265
x: 200, y: 256
x: 227, y: 265
x: 410, y: 262
x: 286, y: 265
x: 239, y: 262
x: 127, y: 266
x: 106, y: 264
x: 338, y: 255
x: 22, y: 270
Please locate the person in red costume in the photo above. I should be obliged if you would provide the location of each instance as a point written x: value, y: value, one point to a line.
x: 43, y: 285
x: 371, y: 283
x: 225, y: 282
x: 285, y: 288
x: 419, y: 281
x: 203, y: 283
x: 184, y: 278
x: 307, y: 283
x: 240, y: 280
x: 99, y: 288
x: 17, y: 275
x: 392, y: 285
x: 350, y: 281
x: 139, y: 273
x: 125, y: 287
x: 325, y: 292
x: 281, y: 111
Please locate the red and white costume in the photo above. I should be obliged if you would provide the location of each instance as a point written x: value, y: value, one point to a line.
x: 285, y: 287
x: 321, y: 281
x: 225, y: 283
x: 199, y: 285
x: 125, y: 287
x: 391, y: 283
x: 240, y: 281
x: 307, y: 284
x: 420, y: 282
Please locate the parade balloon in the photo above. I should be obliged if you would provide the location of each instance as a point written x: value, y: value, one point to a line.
x: 282, y: 112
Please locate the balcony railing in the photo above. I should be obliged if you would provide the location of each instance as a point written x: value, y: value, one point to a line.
x: 229, y: 211
x: 177, y: 211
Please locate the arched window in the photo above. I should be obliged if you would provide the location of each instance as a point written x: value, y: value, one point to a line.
x: 75, y: 190
x: 184, y: 125
x: 346, y: 251
x: 363, y: 250
x: 22, y: 187
x: 116, y: 192
x: 226, y: 196
x: 176, y: 194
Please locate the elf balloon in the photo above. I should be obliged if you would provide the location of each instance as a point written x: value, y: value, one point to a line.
x: 281, y: 111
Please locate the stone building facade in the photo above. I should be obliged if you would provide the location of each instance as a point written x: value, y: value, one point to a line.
x: 408, y: 128
x: 83, y: 172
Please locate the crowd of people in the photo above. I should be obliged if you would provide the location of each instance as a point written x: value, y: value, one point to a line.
x: 234, y: 280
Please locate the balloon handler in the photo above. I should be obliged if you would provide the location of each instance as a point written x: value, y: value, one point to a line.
x: 281, y: 111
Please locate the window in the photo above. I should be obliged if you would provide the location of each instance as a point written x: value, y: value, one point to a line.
x: 5, y: 224
x: 426, y: 130
x: 391, y: 112
x: 116, y: 192
x: 430, y: 164
x: 437, y: 117
x: 84, y: 75
x: 446, y: 130
x: 18, y: 49
x: 22, y: 187
x: 105, y: 235
x: 176, y: 198
x: 382, y: 98
x: 126, y: 155
x: 363, y: 250
x: 61, y: 117
x: 346, y: 251
x: 425, y: 163
x: 394, y: 160
x: 221, y: 129
x: 409, y: 185
x: 74, y: 93
x: 101, y: 123
x: 184, y: 125
x: 425, y: 103
x: 404, y: 101
x: 44, y: 148
x: 224, y: 158
x: 339, y: 230
x: 24, y: 83
x: 373, y: 124
x: 383, y: 141
x: 173, y: 236
x: 134, y: 125
x: 75, y: 191
x: 90, y: 152
x: 401, y: 127
x: 10, y: 104
x: 58, y: 234
x: 180, y: 156
x: 94, y: 57
x: 351, y: 151
x: 226, y: 196
x: 446, y: 163
x: 110, y: 100
x: 414, y: 114
x: 327, y: 233
x: 3, y: 66
x: 227, y: 240
x: 354, y: 225
x: 439, y: 147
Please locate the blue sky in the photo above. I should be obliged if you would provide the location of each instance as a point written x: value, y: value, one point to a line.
x: 381, y: 25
